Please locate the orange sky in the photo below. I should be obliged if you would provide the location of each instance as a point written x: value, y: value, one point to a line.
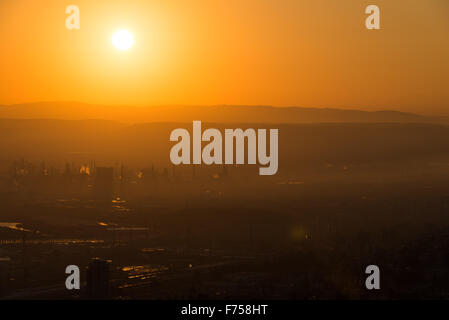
x: 290, y: 52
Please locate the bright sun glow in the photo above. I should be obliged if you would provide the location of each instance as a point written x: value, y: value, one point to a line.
x: 122, y: 40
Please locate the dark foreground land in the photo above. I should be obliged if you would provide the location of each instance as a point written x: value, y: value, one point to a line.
x: 227, y: 238
x: 346, y: 196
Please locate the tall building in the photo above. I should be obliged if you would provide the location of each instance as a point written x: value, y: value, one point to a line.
x: 98, y: 279
x: 4, y: 275
x: 104, y: 183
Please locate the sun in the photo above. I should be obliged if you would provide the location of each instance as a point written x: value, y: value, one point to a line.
x: 122, y: 40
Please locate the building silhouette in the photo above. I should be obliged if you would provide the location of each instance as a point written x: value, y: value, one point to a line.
x: 103, y: 183
x: 98, y: 279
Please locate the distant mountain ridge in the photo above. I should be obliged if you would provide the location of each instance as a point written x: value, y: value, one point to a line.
x: 216, y: 114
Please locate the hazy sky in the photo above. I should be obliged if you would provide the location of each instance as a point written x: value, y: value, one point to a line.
x: 271, y: 52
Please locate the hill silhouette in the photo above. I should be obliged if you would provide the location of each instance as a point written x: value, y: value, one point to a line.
x: 217, y: 114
